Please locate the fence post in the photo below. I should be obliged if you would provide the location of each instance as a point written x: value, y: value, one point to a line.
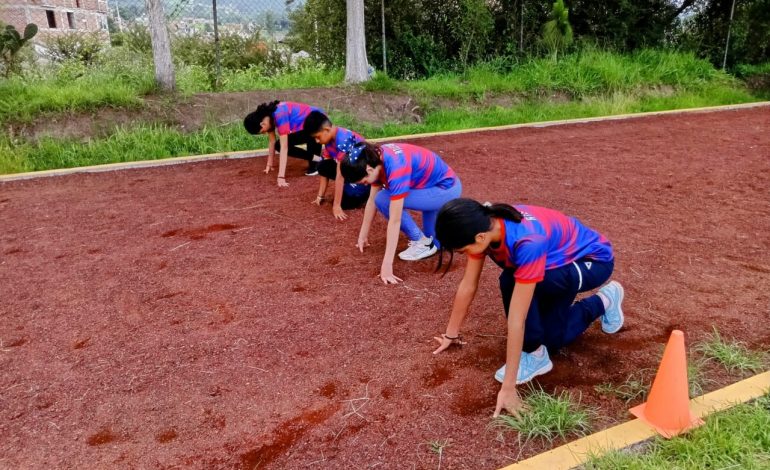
x: 217, y: 49
x: 727, y: 41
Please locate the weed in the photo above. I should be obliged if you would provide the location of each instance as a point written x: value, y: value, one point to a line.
x: 548, y: 417
x: 733, y: 355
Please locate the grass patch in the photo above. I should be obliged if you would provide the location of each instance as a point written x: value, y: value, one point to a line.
x: 580, y: 74
x: 634, y: 388
x: 437, y: 447
x: 548, y: 417
x: 637, y: 385
x: 541, y: 110
x: 733, y: 355
x: 737, y: 438
x: 124, y: 145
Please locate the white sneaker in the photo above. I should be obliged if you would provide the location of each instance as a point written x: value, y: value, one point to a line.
x: 419, y: 249
x: 530, y: 366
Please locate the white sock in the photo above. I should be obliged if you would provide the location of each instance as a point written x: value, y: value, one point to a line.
x: 316, y: 158
x: 605, y: 301
x: 539, y: 352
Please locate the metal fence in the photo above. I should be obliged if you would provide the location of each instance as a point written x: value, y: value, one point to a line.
x: 212, y: 19
x: 188, y: 17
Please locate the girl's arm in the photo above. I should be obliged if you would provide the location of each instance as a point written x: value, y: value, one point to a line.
x: 369, y: 211
x: 508, y: 398
x: 466, y: 291
x: 323, y: 183
x: 394, y: 228
x: 339, y: 187
x: 270, y: 151
x: 282, y: 157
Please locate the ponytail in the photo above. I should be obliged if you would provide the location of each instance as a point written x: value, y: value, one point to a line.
x: 460, y: 220
x: 502, y: 211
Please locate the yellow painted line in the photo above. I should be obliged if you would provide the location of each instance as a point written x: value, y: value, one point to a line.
x: 131, y: 165
x: 632, y: 432
x: 263, y: 152
x: 580, y: 120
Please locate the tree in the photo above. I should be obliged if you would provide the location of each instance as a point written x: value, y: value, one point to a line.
x: 356, y: 65
x: 161, y: 46
x: 705, y: 31
x: 557, y: 32
x: 472, y: 25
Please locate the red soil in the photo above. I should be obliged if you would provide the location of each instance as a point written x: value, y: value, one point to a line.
x: 197, y: 316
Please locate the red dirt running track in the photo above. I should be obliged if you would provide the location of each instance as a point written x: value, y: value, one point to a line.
x: 197, y: 316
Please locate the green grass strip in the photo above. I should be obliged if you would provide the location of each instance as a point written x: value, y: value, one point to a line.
x: 156, y: 142
x: 734, y: 439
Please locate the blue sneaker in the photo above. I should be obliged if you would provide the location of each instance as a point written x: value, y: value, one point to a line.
x: 530, y: 366
x: 612, y: 320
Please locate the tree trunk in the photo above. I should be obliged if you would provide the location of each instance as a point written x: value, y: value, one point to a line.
x: 161, y: 46
x: 356, y: 64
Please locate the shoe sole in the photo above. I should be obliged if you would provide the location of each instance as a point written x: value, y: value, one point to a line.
x: 428, y: 254
x: 315, y: 173
x: 543, y: 370
x: 620, y: 311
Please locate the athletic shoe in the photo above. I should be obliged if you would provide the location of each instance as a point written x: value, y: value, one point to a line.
x: 530, y: 366
x: 419, y: 249
x: 612, y: 320
x: 312, y: 169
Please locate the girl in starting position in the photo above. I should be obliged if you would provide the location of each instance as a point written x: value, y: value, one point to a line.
x: 547, y: 259
x: 402, y: 176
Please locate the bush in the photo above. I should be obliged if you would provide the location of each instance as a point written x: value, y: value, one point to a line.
x: 76, y: 46
x: 136, y: 38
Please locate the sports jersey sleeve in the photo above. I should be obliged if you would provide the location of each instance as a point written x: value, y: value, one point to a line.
x: 398, y: 170
x: 282, y: 119
x: 529, y: 256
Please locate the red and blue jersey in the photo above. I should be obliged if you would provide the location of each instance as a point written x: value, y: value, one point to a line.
x: 290, y: 117
x: 343, y: 140
x: 545, y: 239
x: 407, y: 167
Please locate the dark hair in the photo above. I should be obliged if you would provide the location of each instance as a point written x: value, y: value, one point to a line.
x: 361, y: 154
x: 315, y: 121
x: 253, y: 121
x: 460, y: 220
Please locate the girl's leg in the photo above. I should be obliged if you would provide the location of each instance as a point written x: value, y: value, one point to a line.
x: 296, y: 139
x: 429, y: 201
x: 408, y: 226
x: 553, y: 319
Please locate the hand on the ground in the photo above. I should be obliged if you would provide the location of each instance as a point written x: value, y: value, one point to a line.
x: 268, y: 169
x: 362, y: 242
x: 387, y: 276
x: 445, y: 342
x: 509, y: 399
x: 318, y: 201
x: 339, y: 214
x: 282, y: 183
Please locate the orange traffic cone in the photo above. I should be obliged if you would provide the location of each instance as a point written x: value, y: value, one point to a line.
x: 668, y: 404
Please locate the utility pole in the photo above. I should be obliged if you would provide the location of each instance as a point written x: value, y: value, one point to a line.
x: 384, y: 43
x: 217, y: 48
